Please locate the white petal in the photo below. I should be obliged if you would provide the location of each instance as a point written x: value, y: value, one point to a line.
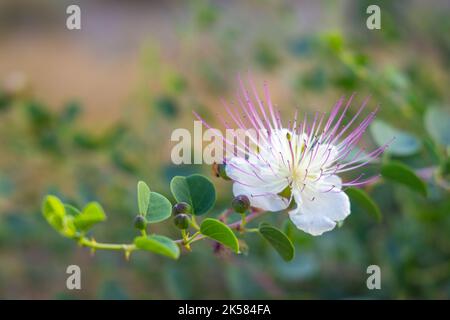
x: 255, y: 175
x: 312, y: 224
x: 319, y: 208
x: 331, y: 181
x: 261, y: 199
x: 328, y: 199
x: 332, y: 205
x: 278, y: 148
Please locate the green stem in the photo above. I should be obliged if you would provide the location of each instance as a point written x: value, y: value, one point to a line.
x: 184, y: 235
x: 243, y: 222
x: 91, y: 243
x: 192, y: 238
x: 194, y: 223
x: 186, y: 240
x: 236, y: 226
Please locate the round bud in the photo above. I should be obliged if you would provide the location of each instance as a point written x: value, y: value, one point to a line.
x: 240, y: 203
x: 181, y: 207
x: 222, y: 172
x: 182, y: 221
x: 140, y: 223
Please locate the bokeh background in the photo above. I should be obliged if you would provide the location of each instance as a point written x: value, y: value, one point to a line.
x: 86, y: 114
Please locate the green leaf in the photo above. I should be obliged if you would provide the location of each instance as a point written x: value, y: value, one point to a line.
x: 404, y: 143
x: 196, y: 190
x: 53, y: 210
x: 363, y: 199
x: 55, y: 214
x: 279, y: 241
x: 159, y: 209
x: 214, y: 229
x: 143, y: 195
x: 71, y: 210
x: 437, y: 123
x: 158, y: 244
x: 92, y: 214
x: 398, y: 172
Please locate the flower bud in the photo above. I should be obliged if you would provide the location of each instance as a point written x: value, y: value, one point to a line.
x: 219, y: 171
x: 182, y: 221
x: 140, y: 223
x: 240, y: 203
x: 181, y: 207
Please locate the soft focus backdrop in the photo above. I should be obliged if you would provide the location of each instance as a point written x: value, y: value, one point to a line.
x: 86, y: 114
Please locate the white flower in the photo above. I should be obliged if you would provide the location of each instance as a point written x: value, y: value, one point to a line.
x: 297, y: 166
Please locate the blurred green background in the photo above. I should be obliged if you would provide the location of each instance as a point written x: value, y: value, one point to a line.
x: 86, y: 114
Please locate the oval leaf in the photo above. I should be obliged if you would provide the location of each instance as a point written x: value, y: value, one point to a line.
x: 279, y: 241
x: 159, y: 208
x: 362, y: 198
x: 158, y: 244
x: 398, y: 172
x: 196, y: 190
x: 214, y: 229
x: 93, y: 213
x: 404, y: 144
x: 437, y: 123
x: 55, y: 214
x: 143, y: 195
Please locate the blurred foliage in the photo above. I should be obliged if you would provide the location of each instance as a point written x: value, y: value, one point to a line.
x: 49, y: 149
